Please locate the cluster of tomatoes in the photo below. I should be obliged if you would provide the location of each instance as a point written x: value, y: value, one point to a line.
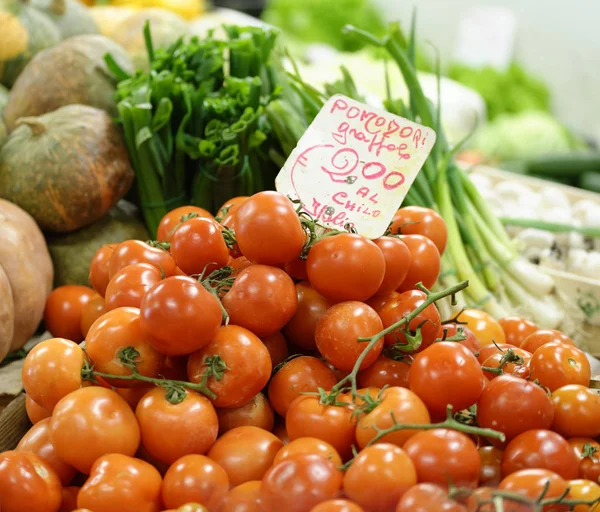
x: 254, y: 363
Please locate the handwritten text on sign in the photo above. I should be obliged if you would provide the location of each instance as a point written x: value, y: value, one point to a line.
x: 354, y: 165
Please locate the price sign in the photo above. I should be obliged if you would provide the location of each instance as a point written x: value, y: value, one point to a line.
x: 354, y: 165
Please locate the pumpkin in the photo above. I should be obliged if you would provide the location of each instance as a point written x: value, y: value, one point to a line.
x: 67, y: 168
x: 25, y: 32
x: 71, y: 17
x: 108, y: 17
x: 72, y: 72
x: 72, y: 253
x: 25, y: 277
x: 165, y: 26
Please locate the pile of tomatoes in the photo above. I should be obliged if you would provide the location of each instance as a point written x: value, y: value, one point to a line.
x: 253, y: 362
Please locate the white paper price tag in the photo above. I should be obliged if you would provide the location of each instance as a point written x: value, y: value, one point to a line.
x: 354, y: 165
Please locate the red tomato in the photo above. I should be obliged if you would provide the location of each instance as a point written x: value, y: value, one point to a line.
x: 416, y: 220
x: 192, y: 425
x: 377, y: 302
x: 238, y: 264
x: 180, y: 315
x: 113, y: 332
x: 576, y: 411
x: 51, y: 370
x: 300, y: 483
x: 584, y: 491
x: 243, y: 498
x: 531, y: 483
x: 99, y: 266
x: 194, y: 479
x: 277, y: 346
x: 397, y: 262
x: 300, y: 330
x: 541, y: 449
x: 256, y: 413
x: 517, y: 369
x: 542, y: 336
x: 470, y: 340
x: 588, y: 454
x: 175, y: 217
x: 425, y: 262
x: 92, y: 422
x: 28, y: 483
x: 129, y: 285
x: 35, y: 412
x: 489, y: 350
x: 490, y: 473
x: 268, y: 229
x: 63, y: 311
x: 516, y: 329
x: 245, y: 453
x: 262, y: 299
x: 297, y: 270
x: 93, y: 310
x: 304, y: 445
x: 338, y: 332
x: 231, y: 205
x: 557, y: 364
x: 428, y: 320
x: 446, y: 373
x: 345, y: 267
x: 484, y: 327
x: 247, y: 366
x: 512, y: 406
x: 198, y: 246
x: 119, y: 482
x: 379, y: 476
x: 444, y: 457
x: 298, y: 375
x: 136, y: 251
x: 397, y: 404
x: 337, y: 506
x: 384, y: 372
x: 428, y: 498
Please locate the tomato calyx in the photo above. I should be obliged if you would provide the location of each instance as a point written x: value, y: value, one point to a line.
x: 589, y: 452
x: 467, y: 416
x: 165, y: 246
x: 229, y: 237
x: 459, y: 336
x: 508, y: 356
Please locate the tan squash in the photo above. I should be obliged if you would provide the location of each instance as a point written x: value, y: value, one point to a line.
x: 25, y: 278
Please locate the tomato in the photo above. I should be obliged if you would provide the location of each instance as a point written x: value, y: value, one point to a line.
x: 256, y: 413
x: 308, y: 445
x: 397, y: 262
x: 512, y: 406
x: 380, y: 300
x: 337, y: 506
x: 64, y: 307
x: 245, y: 453
x: 28, y: 483
x: 262, y: 299
x: 338, y: 332
x: 516, y: 329
x: 231, y: 205
x: 428, y: 320
x: 416, y: 220
x: 93, y: 310
x: 37, y: 440
x: 129, y: 285
x: 540, y: 337
x: 136, y: 251
x: 480, y: 500
x: 300, y: 330
x: 277, y: 346
x: 268, y: 229
x: 247, y: 366
x: 345, y: 267
x: 192, y: 425
x: 119, y: 482
x: 484, y: 327
x: 308, y: 417
x: 298, y: 375
x: 243, y: 498
x: 92, y: 422
x: 300, y: 483
x: 384, y: 372
x: 194, y: 479
x: 113, y: 332
x: 491, y: 459
x: 173, y: 219
x: 446, y: 373
x: 379, y: 476
x: 517, y: 369
x: 576, y: 411
x: 35, y: 412
x: 540, y: 449
x: 297, y: 269
x: 180, y: 315
x: 556, y: 364
x: 425, y: 262
x: 69, y: 499
x: 198, y: 246
x: 584, y: 490
x: 99, y: 276
x: 531, y: 483
x: 588, y: 454
x: 489, y: 350
x: 51, y: 370
x: 428, y: 498
x: 399, y: 404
